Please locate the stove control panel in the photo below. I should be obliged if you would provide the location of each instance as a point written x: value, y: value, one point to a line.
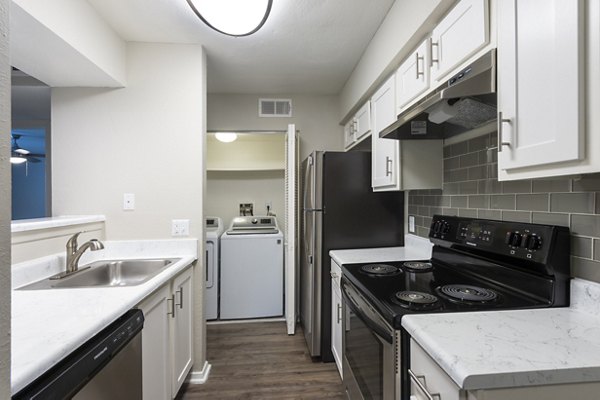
x: 523, y: 241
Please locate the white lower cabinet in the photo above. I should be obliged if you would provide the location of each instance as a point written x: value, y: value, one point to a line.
x: 336, y: 316
x: 428, y: 380
x: 167, y: 341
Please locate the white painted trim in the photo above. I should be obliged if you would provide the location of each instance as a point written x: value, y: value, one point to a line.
x: 246, y: 321
x: 199, y: 377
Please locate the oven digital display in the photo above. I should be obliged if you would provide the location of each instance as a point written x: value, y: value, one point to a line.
x: 474, y: 231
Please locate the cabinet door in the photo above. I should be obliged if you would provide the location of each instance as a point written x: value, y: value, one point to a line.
x: 540, y: 93
x: 458, y: 36
x: 384, y: 152
x: 182, y: 343
x: 156, y: 379
x: 349, y: 137
x: 336, y: 316
x: 363, y: 121
x: 412, y: 77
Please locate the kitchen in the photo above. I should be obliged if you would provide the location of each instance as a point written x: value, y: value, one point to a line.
x: 83, y: 116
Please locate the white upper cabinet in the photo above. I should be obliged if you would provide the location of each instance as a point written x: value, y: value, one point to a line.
x: 362, y: 121
x: 412, y: 77
x: 541, y: 96
x: 458, y: 36
x: 384, y: 152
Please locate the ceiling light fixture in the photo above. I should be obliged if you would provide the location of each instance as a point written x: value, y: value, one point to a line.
x: 17, y: 160
x: 226, y: 137
x: 232, y: 17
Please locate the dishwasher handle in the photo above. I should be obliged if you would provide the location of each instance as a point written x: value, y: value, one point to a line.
x: 70, y: 374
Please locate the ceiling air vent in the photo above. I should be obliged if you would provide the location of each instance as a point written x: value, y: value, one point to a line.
x: 274, y: 107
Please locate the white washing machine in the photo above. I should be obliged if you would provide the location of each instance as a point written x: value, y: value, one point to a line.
x: 251, y: 269
x: 214, y: 230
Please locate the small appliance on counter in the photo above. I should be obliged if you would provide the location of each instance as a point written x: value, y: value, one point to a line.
x: 251, y: 269
x: 475, y: 265
x: 339, y: 211
x: 214, y: 230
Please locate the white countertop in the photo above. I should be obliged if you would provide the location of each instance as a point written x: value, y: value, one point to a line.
x: 415, y: 248
x: 23, y: 225
x: 485, y: 350
x: 48, y: 324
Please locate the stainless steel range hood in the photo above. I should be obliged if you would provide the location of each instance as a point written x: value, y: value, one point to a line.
x: 467, y: 101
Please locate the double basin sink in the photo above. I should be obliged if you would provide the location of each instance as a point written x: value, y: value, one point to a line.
x: 117, y: 273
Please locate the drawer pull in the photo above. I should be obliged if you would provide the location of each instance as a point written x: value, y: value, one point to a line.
x: 180, y: 304
x: 422, y: 388
x: 339, y: 313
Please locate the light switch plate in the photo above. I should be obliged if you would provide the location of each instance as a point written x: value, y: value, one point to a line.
x: 411, y: 223
x: 180, y: 227
x: 128, y: 201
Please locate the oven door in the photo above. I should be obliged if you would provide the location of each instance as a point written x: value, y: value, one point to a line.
x: 370, y: 368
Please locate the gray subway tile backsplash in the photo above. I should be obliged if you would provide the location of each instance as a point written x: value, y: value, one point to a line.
x: 532, y: 202
x: 503, y: 201
x: 517, y: 216
x: 581, y: 246
x: 572, y: 202
x: 550, y: 219
x: 471, y: 189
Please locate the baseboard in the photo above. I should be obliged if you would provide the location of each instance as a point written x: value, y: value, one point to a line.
x: 199, y: 377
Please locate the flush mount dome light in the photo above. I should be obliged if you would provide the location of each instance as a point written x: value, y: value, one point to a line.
x: 233, y: 17
x: 226, y: 137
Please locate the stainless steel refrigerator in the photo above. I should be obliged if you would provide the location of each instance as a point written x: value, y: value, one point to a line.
x: 339, y: 211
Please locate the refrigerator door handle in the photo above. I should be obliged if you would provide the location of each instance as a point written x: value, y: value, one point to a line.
x: 307, y: 174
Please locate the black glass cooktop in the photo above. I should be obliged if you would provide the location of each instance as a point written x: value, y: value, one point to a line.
x: 424, y: 286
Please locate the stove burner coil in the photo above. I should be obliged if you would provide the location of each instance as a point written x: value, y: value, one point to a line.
x: 379, y: 269
x: 417, y: 266
x: 416, y: 300
x: 468, y: 293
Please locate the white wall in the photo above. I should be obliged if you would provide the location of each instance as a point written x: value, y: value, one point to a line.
x: 226, y: 189
x: 79, y: 48
x: 316, y: 117
x: 147, y: 139
x: 402, y: 29
x: 5, y: 271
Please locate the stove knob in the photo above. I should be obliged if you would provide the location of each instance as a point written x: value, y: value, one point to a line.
x: 254, y: 220
x: 437, y: 227
x: 516, y: 239
x: 445, y: 227
x: 508, y: 238
x: 534, y: 243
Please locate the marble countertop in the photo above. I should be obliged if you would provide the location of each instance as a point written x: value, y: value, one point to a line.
x: 48, y: 324
x: 24, y: 225
x: 498, y: 349
x: 415, y: 248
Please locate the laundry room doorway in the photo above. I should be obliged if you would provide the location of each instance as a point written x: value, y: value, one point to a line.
x: 254, y: 173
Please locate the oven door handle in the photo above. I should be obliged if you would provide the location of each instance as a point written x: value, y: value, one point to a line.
x: 367, y: 315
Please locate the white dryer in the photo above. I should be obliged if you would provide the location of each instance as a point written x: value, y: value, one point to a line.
x: 214, y: 230
x: 251, y: 269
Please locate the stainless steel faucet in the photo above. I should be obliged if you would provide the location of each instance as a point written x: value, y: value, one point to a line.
x: 74, y: 253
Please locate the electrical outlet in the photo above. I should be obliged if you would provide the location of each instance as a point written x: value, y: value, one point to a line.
x: 128, y: 201
x: 180, y: 227
x: 411, y: 223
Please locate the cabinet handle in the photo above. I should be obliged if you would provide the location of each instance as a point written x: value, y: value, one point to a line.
x: 355, y: 126
x: 180, y: 291
x: 422, y: 388
x: 172, y: 300
x: 339, y: 313
x: 437, y: 48
x: 500, y: 136
x: 388, y: 165
x: 422, y: 73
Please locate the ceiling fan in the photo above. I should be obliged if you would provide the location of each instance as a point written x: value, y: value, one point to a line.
x: 19, y: 155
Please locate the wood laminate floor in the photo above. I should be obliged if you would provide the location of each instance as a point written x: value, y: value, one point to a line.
x: 260, y: 361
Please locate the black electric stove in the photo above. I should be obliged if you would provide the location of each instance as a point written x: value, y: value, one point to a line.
x: 476, y: 265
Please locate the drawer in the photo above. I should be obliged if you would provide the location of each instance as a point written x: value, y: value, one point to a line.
x: 427, y: 376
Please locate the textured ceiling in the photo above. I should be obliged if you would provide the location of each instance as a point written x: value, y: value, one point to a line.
x: 306, y: 46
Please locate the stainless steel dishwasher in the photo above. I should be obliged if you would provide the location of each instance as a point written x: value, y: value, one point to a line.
x: 108, y: 366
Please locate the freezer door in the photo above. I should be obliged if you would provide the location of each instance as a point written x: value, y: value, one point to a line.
x: 310, y: 281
